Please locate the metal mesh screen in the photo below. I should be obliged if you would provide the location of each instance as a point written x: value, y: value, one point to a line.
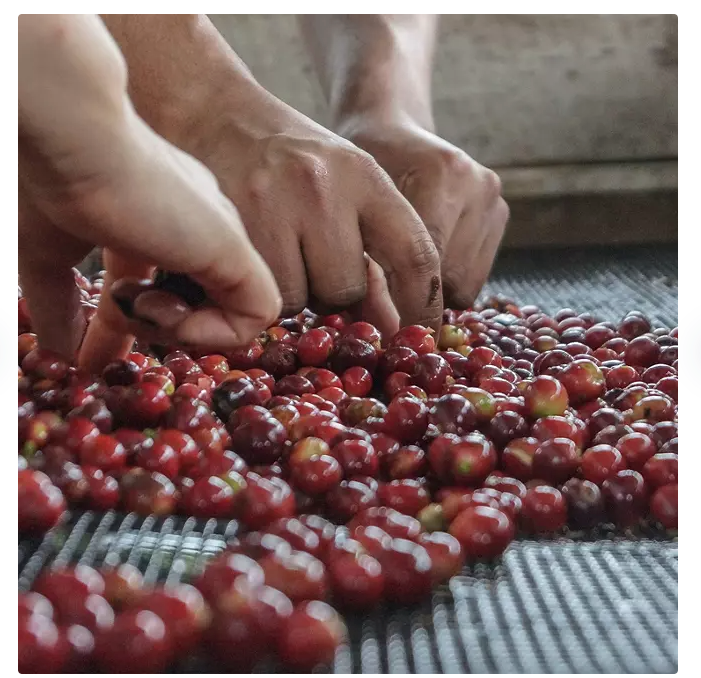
x: 598, y: 603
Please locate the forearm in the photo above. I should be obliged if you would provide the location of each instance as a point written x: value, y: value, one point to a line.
x: 178, y: 65
x: 378, y: 65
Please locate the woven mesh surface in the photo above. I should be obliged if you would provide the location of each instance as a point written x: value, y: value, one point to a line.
x: 607, y: 282
x: 597, y: 603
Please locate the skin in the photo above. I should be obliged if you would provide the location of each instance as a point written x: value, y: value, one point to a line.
x: 376, y: 73
x: 324, y: 215
x: 96, y: 174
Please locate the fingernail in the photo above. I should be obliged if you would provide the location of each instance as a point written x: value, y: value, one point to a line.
x: 161, y: 309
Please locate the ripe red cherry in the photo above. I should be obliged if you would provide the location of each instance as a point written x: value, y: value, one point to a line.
x: 310, y: 636
x: 633, y: 325
x: 601, y: 462
x: 259, y: 441
x: 506, y: 484
x: 357, y: 457
x: 139, y: 642
x: 407, y: 569
x: 446, y: 555
x: 298, y: 535
x: 612, y: 434
x: 669, y: 386
x: 159, y: 457
x: 356, y: 579
x: 406, y: 496
x: 348, y: 498
x: 548, y: 428
x: 643, y: 351
x: 102, y: 491
x: 404, y: 462
x: 481, y: 356
x: 625, y: 495
x: 585, y: 504
x: 299, y: 575
x: 42, y: 648
x: 357, y: 381
x: 406, y: 419
x: 294, y: 384
x: 40, y: 503
x: 246, y: 631
x: 145, y: 405
x: 266, y: 500
x: 76, y: 582
x: 555, y: 460
x: 484, y: 532
x: 431, y: 372
x: 392, y: 522
x: 183, y: 610
x: 545, y: 396
x: 661, y: 469
x: 214, y: 497
x: 317, y: 474
x: 314, y: 347
x: 34, y: 603
x: 663, y: 506
x: 517, y: 457
x: 603, y: 417
x: 364, y: 331
x: 350, y: 352
x: 472, y: 459
x: 583, y: 381
x: 636, y: 449
x: 144, y: 492
x: 621, y: 376
x: 223, y: 572
x: 416, y: 337
x: 506, y: 426
x: 45, y: 364
x: 544, y: 509
x: 123, y: 585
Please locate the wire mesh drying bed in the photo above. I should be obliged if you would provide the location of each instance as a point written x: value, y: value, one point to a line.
x: 597, y: 603
x: 594, y: 604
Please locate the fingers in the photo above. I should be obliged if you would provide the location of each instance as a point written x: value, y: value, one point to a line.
x: 437, y: 203
x: 464, y: 275
x: 48, y: 282
x: 280, y: 249
x: 110, y: 334
x: 335, y: 265
x: 397, y: 240
x: 377, y: 307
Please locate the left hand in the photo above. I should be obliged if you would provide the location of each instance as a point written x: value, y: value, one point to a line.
x: 458, y: 199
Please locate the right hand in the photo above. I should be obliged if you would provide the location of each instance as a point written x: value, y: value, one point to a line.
x: 314, y: 204
x: 92, y: 173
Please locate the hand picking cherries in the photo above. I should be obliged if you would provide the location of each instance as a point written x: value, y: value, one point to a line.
x: 360, y: 469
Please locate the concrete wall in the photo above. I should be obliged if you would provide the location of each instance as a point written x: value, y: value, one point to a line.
x: 516, y: 89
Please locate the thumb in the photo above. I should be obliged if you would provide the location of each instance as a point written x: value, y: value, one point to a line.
x: 48, y: 281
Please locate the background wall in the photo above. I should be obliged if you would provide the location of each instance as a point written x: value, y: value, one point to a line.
x: 577, y: 113
x: 516, y: 89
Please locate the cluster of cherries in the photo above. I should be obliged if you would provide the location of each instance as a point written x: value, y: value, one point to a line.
x: 78, y: 619
x: 362, y: 470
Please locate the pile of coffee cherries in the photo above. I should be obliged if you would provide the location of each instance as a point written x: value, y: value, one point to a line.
x: 360, y: 468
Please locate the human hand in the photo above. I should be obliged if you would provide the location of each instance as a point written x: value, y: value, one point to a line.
x: 458, y: 199
x: 313, y: 204
x: 96, y: 174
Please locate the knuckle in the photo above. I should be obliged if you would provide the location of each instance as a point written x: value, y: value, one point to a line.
x: 492, y: 185
x: 455, y: 162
